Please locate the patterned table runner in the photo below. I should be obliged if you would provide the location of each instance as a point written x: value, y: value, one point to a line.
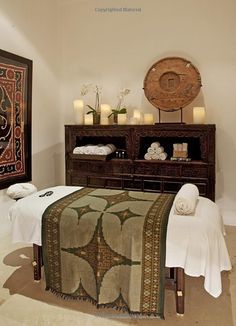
x: 108, y: 246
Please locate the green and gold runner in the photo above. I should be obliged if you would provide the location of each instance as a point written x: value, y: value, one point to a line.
x: 108, y: 246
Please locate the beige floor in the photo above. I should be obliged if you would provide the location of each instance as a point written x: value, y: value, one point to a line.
x: 25, y: 302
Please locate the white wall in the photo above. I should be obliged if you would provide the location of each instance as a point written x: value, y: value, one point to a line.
x: 115, y: 50
x: 30, y: 28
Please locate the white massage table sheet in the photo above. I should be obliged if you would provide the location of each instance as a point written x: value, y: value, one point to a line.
x: 195, y: 243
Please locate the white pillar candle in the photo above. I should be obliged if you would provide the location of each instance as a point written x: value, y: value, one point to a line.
x: 148, y: 119
x: 199, y: 115
x: 104, y: 120
x: 88, y: 119
x: 141, y: 118
x: 137, y: 115
x: 78, y: 111
x: 122, y: 119
x: 105, y: 110
x: 133, y: 121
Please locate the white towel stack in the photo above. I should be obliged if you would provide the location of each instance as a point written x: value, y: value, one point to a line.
x: 89, y: 149
x: 99, y: 149
x: 155, y: 152
x: 79, y: 150
x: 105, y: 149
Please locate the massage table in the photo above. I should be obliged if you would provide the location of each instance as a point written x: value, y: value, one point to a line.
x: 195, y: 244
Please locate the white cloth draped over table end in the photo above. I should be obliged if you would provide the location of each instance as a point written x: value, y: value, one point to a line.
x: 196, y: 243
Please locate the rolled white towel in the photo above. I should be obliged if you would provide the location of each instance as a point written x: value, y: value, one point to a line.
x: 186, y: 199
x: 155, y: 156
x: 78, y: 150
x: 160, y: 150
x: 148, y: 156
x: 162, y: 156
x: 151, y: 150
x: 90, y: 149
x: 155, y: 145
x: 112, y: 147
x: 103, y: 150
x: 21, y: 190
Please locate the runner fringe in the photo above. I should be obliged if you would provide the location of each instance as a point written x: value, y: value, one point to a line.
x: 112, y: 305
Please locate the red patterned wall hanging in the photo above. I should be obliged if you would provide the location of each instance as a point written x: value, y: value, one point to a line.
x: 15, y: 118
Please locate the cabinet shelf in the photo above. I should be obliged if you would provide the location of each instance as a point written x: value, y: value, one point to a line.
x: 171, y: 162
x: 92, y: 157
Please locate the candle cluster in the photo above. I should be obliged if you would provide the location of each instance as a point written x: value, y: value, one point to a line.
x: 101, y: 113
x: 81, y: 117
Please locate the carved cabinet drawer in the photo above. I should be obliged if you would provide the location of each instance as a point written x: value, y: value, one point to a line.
x: 120, y: 168
x: 80, y: 167
x: 172, y: 170
x: 78, y: 180
x: 145, y: 168
x: 199, y: 171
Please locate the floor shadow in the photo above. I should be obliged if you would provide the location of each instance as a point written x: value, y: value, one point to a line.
x: 201, y: 308
x: 21, y: 282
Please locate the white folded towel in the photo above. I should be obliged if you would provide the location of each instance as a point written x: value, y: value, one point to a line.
x: 105, y: 150
x: 155, y: 145
x: 90, y: 149
x: 151, y: 150
x: 112, y: 147
x: 99, y: 149
x: 160, y: 150
x: 162, y: 156
x: 21, y: 190
x: 186, y: 199
x: 148, y: 156
x: 78, y: 150
x: 155, y: 156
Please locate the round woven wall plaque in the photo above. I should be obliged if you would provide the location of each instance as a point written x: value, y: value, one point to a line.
x: 172, y: 83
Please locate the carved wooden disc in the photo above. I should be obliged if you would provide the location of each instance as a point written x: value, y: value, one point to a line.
x: 172, y: 83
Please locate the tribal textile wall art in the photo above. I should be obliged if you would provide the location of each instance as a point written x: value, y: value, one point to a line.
x: 15, y: 118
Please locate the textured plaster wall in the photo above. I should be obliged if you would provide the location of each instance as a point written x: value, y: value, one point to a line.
x: 29, y: 28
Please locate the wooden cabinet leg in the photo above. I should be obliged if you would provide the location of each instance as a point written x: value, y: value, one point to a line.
x: 37, y: 262
x: 180, y: 291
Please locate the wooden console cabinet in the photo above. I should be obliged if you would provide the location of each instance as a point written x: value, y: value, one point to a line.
x: 135, y: 173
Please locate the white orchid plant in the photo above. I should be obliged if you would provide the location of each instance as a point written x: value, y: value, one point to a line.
x: 95, y: 89
x: 120, y: 108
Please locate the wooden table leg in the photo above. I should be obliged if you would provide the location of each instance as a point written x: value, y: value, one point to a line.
x: 37, y: 262
x: 180, y: 290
